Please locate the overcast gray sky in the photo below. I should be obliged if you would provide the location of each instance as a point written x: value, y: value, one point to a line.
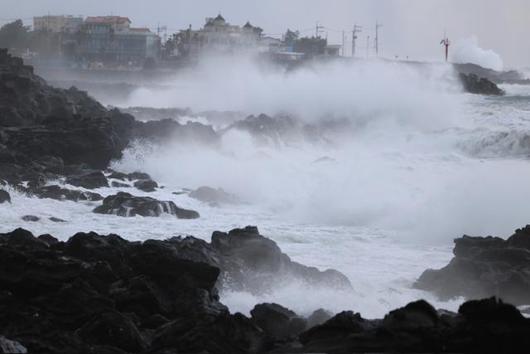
x: 412, y: 28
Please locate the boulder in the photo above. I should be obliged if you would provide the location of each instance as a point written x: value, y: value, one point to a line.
x: 278, y: 321
x: 477, y: 85
x: 484, y: 267
x: 213, y: 196
x: 318, y: 317
x: 127, y: 205
x: 58, y: 193
x: 256, y: 264
x: 54, y: 219
x: 115, y: 184
x: 90, y: 180
x: 146, y: 185
x: 4, y: 197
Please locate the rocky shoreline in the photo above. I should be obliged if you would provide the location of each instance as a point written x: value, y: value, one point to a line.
x: 104, y: 294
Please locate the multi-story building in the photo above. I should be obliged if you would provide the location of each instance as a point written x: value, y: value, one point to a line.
x: 57, y: 24
x: 112, y: 39
x: 217, y: 35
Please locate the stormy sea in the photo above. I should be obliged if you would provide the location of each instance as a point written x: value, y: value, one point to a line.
x: 370, y: 167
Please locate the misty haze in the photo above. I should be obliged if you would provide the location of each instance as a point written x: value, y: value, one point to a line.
x: 275, y: 177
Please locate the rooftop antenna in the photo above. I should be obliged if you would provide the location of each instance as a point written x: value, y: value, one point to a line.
x: 356, y: 29
x: 446, y: 43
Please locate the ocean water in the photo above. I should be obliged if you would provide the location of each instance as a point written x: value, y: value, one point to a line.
x: 418, y: 164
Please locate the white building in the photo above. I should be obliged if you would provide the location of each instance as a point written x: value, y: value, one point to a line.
x: 57, y: 24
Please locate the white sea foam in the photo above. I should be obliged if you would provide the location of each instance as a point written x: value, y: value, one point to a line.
x: 417, y: 166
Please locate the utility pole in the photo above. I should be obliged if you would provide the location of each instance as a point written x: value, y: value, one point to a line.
x: 356, y: 29
x: 343, y: 43
x: 377, y: 27
x: 318, y: 29
x: 446, y: 43
x: 367, y: 46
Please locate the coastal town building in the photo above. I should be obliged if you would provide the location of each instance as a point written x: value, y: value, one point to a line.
x: 57, y: 24
x: 112, y: 39
x: 217, y: 35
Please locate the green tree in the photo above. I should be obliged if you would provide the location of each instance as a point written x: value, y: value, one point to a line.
x: 290, y: 37
x: 14, y: 35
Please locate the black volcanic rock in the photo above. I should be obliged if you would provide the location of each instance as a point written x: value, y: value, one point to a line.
x: 43, y: 128
x: 146, y: 185
x: 213, y: 196
x: 90, y: 180
x: 127, y: 205
x: 278, y: 321
x: 485, y: 326
x: 99, y: 291
x: 256, y: 264
x: 485, y: 266
x: 168, y: 129
x: 58, y: 193
x: 4, y: 197
x: 482, y: 86
x: 104, y: 294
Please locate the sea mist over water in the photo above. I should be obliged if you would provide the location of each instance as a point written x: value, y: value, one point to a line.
x: 396, y: 162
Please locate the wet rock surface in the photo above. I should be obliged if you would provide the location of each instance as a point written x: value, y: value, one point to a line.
x: 38, y: 121
x: 479, y: 85
x: 127, y: 205
x: 213, y: 196
x: 256, y: 264
x: 483, y: 267
x: 59, y: 193
x: 103, y: 294
x: 4, y: 197
x: 90, y: 180
x: 146, y: 185
x: 483, y: 326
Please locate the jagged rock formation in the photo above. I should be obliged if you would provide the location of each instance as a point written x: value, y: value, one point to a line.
x: 481, y: 86
x: 485, y: 326
x: 103, y: 294
x: 256, y: 264
x: 39, y: 121
x: 127, y: 205
x: 59, y: 193
x: 485, y: 266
